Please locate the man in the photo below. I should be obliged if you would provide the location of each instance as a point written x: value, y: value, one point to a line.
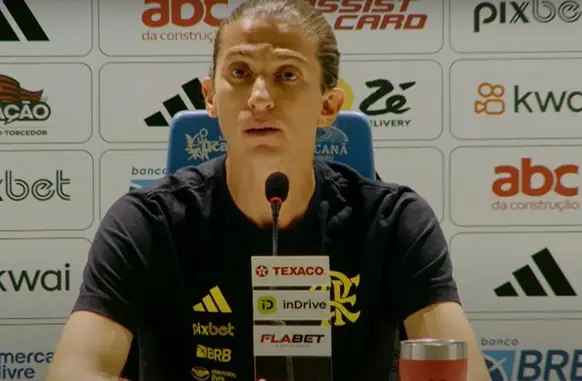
x: 176, y: 255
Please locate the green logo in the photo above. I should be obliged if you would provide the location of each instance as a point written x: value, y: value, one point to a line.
x: 267, y: 305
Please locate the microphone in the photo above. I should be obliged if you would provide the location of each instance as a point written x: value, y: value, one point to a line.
x: 276, y: 192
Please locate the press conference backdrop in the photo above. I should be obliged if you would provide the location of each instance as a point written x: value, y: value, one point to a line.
x: 475, y: 104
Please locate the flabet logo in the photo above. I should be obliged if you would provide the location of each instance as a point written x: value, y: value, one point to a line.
x: 183, y: 14
x: 18, y: 189
x: 53, y: 280
x: 355, y: 15
x: 529, y: 187
x: 395, y: 103
x: 21, y: 108
x: 343, y: 299
x: 491, y: 100
x: 199, y: 147
x: 293, y: 339
x: 145, y: 176
x: 508, y: 361
x: 212, y: 329
x: 525, y: 12
x: 22, y: 365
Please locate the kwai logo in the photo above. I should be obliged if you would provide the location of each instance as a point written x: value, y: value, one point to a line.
x: 525, y: 12
x: 498, y: 99
x: 26, y: 280
x: 395, y: 103
x: 23, y: 365
x: 144, y: 176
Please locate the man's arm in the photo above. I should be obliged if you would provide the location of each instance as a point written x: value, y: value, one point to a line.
x: 97, y: 337
x: 430, y: 306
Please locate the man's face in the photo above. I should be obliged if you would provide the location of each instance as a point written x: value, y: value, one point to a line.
x: 266, y: 92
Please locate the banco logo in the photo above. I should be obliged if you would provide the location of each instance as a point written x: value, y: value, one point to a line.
x: 222, y: 355
x: 372, y: 15
x: 342, y: 299
x: 492, y: 100
x: 214, y: 302
x: 145, y: 176
x: 53, y: 280
x: 395, y: 103
x: 535, y: 187
x: 23, y: 365
x: 507, y: 360
x: 184, y: 14
x: 193, y: 91
x: 212, y: 329
x: 200, y: 147
x: 525, y: 12
x: 43, y: 189
x: 531, y: 285
x: 24, y: 19
x: 21, y: 108
x: 267, y: 305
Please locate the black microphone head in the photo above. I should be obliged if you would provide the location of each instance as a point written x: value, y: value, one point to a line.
x: 277, y: 187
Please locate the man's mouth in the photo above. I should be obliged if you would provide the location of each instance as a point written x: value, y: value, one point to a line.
x: 262, y: 131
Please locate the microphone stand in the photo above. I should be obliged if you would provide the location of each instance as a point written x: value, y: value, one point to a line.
x: 275, y: 207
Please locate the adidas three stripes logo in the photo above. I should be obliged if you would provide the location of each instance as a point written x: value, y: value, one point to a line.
x: 23, y: 18
x: 175, y: 104
x: 213, y: 302
x: 531, y: 285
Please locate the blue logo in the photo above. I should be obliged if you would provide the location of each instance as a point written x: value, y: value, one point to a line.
x: 500, y: 364
x: 140, y: 183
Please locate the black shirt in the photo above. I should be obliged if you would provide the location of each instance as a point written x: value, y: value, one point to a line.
x: 161, y: 250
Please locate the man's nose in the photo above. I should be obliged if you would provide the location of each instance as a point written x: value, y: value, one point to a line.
x: 261, y: 98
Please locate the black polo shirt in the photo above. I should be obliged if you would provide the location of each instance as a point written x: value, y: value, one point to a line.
x: 176, y: 255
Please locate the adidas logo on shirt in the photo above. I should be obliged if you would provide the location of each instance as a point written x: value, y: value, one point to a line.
x: 529, y: 282
x: 175, y: 104
x: 213, y: 302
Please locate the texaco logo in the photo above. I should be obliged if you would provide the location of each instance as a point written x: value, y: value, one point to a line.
x: 262, y: 271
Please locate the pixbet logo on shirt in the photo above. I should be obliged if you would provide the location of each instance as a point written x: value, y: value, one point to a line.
x: 492, y: 100
x: 535, y: 187
x: 262, y: 271
x: 371, y: 14
x: 184, y: 14
x: 525, y: 12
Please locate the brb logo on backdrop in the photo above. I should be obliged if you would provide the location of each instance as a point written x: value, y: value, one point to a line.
x: 497, y: 99
x: 371, y: 14
x: 184, y: 14
x: 535, y: 187
x: 386, y: 102
x: 14, y: 188
x: 525, y: 12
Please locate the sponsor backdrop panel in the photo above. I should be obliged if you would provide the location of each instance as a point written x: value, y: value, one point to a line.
x: 479, y: 133
x: 27, y: 350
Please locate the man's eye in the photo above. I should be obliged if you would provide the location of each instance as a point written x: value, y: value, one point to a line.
x: 288, y: 76
x: 240, y: 73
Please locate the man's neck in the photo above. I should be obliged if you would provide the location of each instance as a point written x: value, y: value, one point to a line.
x: 246, y: 183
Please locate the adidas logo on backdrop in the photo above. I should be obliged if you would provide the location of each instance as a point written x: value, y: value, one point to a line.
x: 530, y: 283
x: 16, y: 14
x: 175, y: 104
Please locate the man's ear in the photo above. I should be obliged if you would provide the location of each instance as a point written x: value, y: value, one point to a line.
x: 333, y: 100
x: 208, y: 93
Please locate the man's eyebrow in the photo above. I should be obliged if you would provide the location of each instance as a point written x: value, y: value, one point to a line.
x: 250, y: 51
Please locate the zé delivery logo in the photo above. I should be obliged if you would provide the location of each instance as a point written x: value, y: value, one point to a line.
x: 531, y: 186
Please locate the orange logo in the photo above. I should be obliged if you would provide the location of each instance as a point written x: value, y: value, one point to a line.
x: 171, y: 12
x: 519, y: 180
x: 491, y: 99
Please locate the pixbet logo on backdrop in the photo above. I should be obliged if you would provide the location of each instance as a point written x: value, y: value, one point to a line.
x: 394, y: 102
x: 526, y: 186
x: 13, y: 188
x: 184, y: 14
x: 21, y: 108
x: 50, y: 280
x: 22, y: 365
x: 371, y: 14
x: 507, y: 360
x: 262, y: 271
x: 525, y: 12
x: 493, y: 101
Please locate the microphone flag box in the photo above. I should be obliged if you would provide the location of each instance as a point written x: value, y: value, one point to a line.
x: 292, y: 335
